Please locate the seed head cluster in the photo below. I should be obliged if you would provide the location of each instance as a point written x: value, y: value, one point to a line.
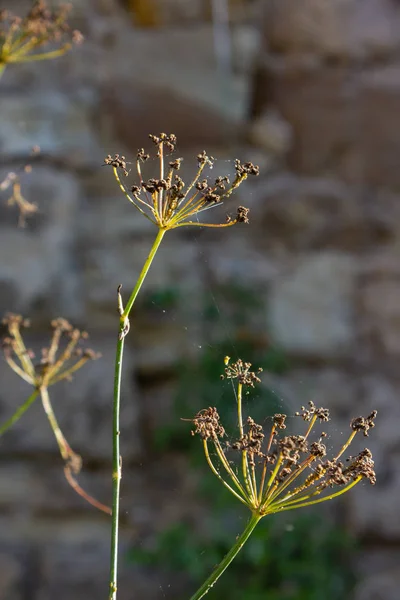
x: 166, y: 200
x: 23, y: 39
x: 59, y: 360
x: 241, y: 371
x: 281, y: 472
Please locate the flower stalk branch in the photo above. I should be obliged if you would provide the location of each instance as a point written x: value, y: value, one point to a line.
x: 57, y: 363
x: 286, y: 472
x: 168, y: 203
x: 23, y: 39
x: 228, y: 558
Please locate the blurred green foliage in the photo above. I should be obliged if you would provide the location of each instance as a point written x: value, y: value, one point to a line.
x: 297, y: 556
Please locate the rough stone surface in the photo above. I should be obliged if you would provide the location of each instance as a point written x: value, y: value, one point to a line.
x: 379, y: 574
x: 311, y: 306
x: 383, y: 313
x: 346, y: 29
x: 316, y: 271
x: 11, y: 574
x: 331, y: 70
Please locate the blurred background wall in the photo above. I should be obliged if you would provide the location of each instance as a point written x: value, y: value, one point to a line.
x: 309, y: 90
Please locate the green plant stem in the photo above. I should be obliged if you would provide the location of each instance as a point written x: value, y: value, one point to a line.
x: 146, y: 267
x: 116, y: 460
x: 18, y: 413
x: 228, y: 558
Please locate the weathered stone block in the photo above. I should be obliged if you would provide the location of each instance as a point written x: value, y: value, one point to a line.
x: 11, y: 575
x: 61, y: 128
x: 342, y: 29
x: 319, y: 104
x: 378, y: 574
x: 379, y: 129
x: 37, y: 274
x: 296, y: 214
x: 311, y: 307
x: 381, y: 310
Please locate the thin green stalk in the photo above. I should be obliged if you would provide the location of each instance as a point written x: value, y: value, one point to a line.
x: 48, y: 409
x: 245, y: 462
x: 2, y: 67
x: 18, y: 413
x: 226, y: 561
x: 116, y: 460
x: 146, y: 267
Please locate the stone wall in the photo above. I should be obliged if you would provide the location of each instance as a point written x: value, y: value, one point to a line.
x: 317, y: 108
x: 330, y: 218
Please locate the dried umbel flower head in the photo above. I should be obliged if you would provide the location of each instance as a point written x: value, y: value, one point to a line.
x: 167, y: 201
x: 23, y: 39
x: 58, y: 361
x: 13, y: 181
x: 281, y: 472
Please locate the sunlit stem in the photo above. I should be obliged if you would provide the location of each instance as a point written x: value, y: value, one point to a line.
x: 196, y: 224
x: 346, y: 445
x: 226, y: 561
x: 245, y: 462
x: 64, y: 356
x: 63, y: 445
x: 311, y: 425
x: 116, y: 456
x: 239, y: 409
x: 324, y: 499
x: 262, y: 481
x: 265, y: 466
x: 81, y: 492
x: 55, y: 341
x: 142, y: 276
x: 253, y: 477
x: 67, y: 453
x: 18, y: 50
x: 161, y: 209
x: 8, y: 41
x: 18, y: 413
x: 68, y: 372
x: 214, y: 470
x: 233, y: 187
x: 193, y: 183
x: 17, y: 369
x: 289, y: 499
x: 42, y: 55
x: 13, y: 43
x: 22, y: 353
x: 188, y: 209
x: 272, y: 478
x: 227, y: 467
x: 285, y: 484
x: 125, y: 192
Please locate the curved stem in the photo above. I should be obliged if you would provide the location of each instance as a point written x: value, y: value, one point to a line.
x: 18, y: 413
x: 299, y: 503
x: 116, y: 459
x: 214, y: 470
x: 71, y: 459
x: 228, y: 558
